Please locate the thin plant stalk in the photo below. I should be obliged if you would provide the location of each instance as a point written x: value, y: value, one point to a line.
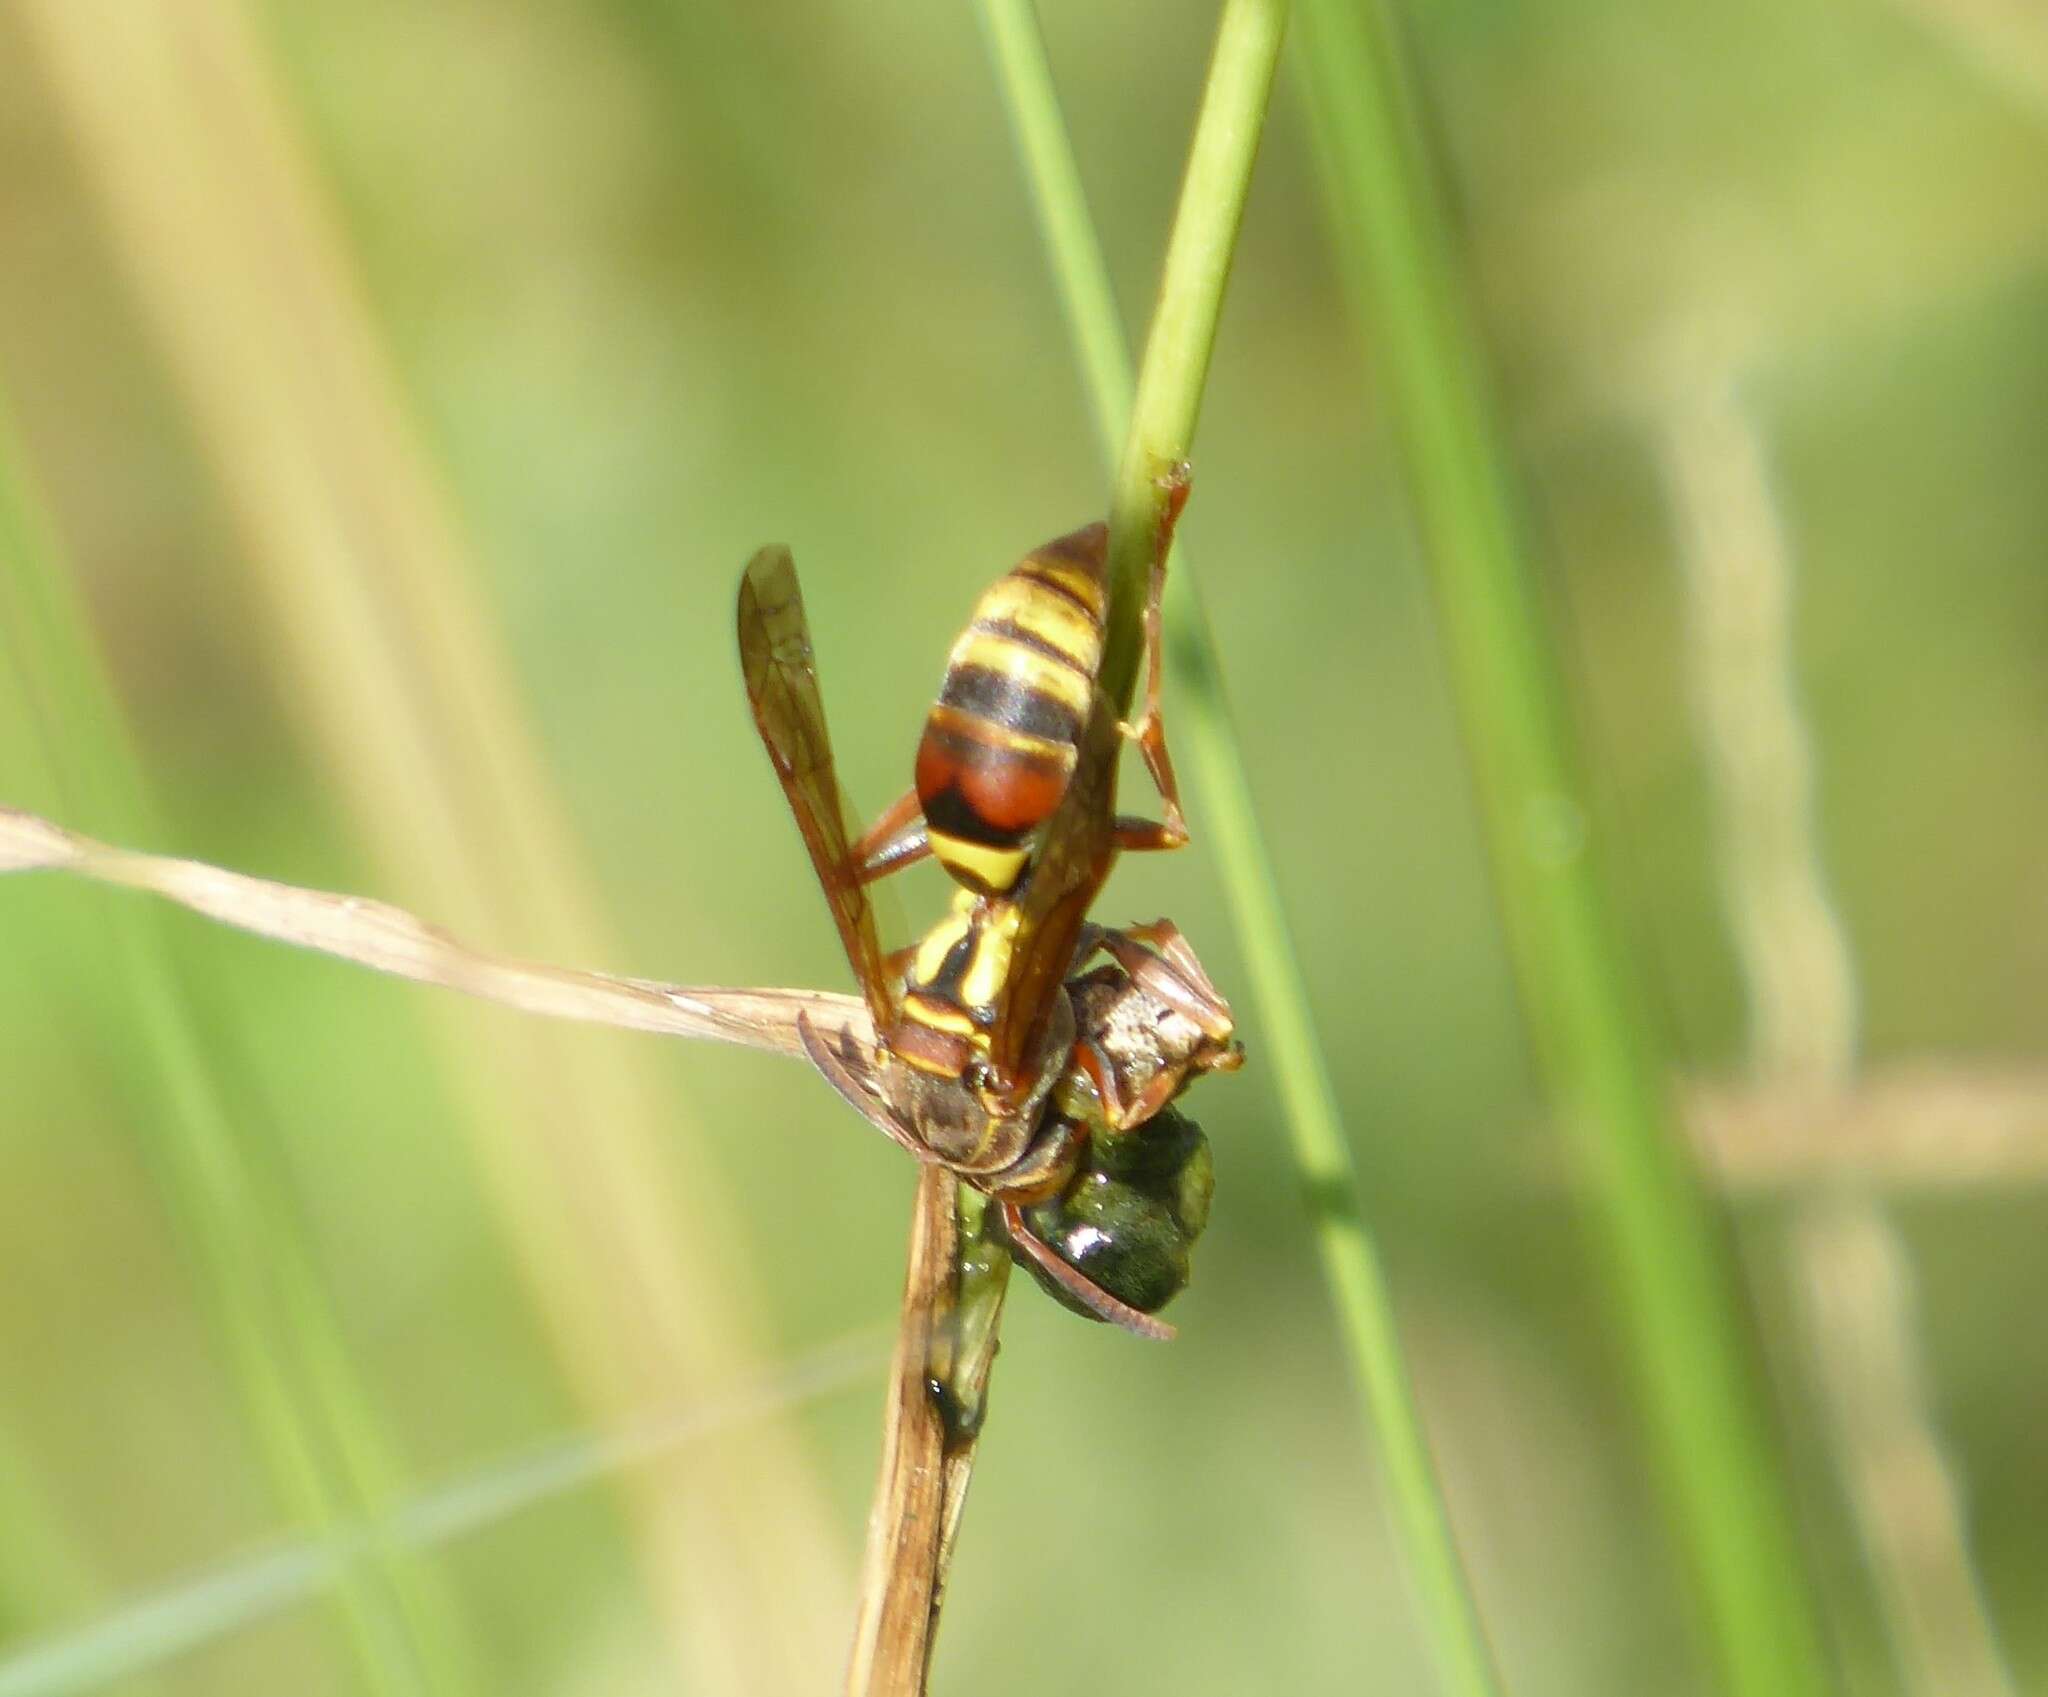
x: 952, y: 1295
x: 907, y: 1570
x: 1168, y: 396
x: 1204, y: 726
x: 1667, y: 1253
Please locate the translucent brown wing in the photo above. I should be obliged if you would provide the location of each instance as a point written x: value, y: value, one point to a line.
x: 782, y: 687
x: 1076, y: 848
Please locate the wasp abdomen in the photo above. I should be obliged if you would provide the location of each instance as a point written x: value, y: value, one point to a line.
x: 1001, y: 744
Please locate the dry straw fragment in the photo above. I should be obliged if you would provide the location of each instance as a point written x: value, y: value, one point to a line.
x: 388, y: 939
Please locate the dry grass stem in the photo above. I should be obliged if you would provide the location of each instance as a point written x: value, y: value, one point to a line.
x: 922, y: 1489
x: 388, y: 939
x: 1906, y: 1128
x: 1929, y: 1126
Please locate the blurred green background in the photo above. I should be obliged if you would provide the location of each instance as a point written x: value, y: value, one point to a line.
x: 398, y: 391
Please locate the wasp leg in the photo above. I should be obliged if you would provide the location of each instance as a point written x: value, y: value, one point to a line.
x: 1115, y: 1110
x: 1078, y: 1285
x: 1138, y: 835
x: 1160, y: 960
x: 1149, y: 733
x: 895, y: 840
x: 1148, y: 730
x: 852, y: 1085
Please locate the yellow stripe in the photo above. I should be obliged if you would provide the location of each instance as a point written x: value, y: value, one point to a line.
x: 1053, y: 619
x: 940, y: 1016
x: 938, y: 943
x: 997, y: 868
x: 1040, y: 673
x: 1076, y: 582
x: 982, y: 982
x: 1005, y: 739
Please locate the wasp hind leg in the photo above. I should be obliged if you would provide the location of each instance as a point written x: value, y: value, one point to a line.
x: 895, y: 840
x: 1148, y: 730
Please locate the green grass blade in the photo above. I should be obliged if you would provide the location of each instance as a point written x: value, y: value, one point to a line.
x: 1667, y: 1254
x: 1203, y: 726
x: 312, y: 1418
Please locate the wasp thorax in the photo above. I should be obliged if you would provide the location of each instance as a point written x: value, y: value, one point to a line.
x: 958, y: 973
x: 973, y: 1120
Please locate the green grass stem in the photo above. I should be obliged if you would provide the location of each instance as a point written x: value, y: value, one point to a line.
x: 312, y: 1419
x: 1667, y: 1253
x: 1204, y: 727
x: 1168, y: 396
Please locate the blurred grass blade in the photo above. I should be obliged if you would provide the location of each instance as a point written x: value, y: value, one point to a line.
x: 184, y: 1616
x: 1925, y: 1127
x: 1228, y: 818
x: 43, y: 1574
x: 400, y: 687
x: 1852, y: 1272
x: 1855, y: 1291
x: 319, y: 1436
x: 1667, y: 1254
x: 1798, y: 971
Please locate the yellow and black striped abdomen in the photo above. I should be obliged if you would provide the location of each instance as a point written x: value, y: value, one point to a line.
x: 1000, y: 745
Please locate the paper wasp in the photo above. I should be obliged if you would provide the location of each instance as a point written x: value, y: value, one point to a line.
x: 988, y: 1062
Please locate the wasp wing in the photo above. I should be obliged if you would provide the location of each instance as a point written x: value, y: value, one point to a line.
x: 1075, y: 850
x: 782, y: 688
